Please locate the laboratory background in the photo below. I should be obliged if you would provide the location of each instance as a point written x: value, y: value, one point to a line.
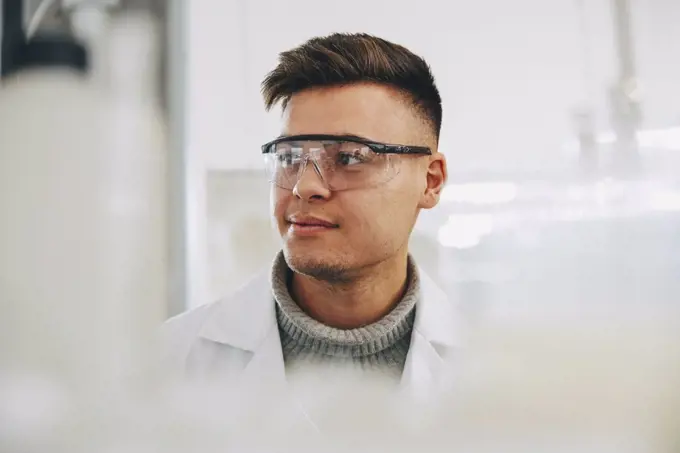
x: 560, y: 223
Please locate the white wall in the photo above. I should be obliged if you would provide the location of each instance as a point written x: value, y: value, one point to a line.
x: 658, y: 53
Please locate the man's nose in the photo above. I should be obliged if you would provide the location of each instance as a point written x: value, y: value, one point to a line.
x: 310, y: 184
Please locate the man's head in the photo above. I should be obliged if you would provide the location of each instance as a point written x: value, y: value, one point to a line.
x: 366, y: 195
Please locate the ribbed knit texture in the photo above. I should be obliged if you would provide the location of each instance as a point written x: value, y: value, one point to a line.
x: 379, y: 347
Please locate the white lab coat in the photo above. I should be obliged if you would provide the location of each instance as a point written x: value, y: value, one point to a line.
x: 237, y: 338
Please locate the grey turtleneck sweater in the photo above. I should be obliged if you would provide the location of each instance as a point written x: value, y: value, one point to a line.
x: 379, y: 347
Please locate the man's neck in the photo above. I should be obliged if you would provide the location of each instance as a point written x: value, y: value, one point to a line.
x: 362, y: 301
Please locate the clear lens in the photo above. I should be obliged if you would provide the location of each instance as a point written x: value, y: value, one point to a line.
x: 342, y: 165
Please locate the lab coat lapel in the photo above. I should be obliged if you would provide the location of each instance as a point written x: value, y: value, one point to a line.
x: 265, y: 379
x: 247, y: 322
x: 422, y: 368
x: 435, y: 337
x: 265, y: 373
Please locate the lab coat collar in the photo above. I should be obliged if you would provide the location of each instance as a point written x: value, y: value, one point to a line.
x: 247, y: 320
x: 437, y: 318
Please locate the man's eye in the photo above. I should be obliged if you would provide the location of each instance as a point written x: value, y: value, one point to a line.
x: 288, y: 159
x: 350, y: 158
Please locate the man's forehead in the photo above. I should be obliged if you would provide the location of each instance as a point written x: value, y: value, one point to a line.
x: 373, y: 111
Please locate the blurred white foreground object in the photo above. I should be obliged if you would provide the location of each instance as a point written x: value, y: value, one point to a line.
x: 542, y: 377
x: 83, y: 231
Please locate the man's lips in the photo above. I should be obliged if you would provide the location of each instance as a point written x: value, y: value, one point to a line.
x: 309, y: 221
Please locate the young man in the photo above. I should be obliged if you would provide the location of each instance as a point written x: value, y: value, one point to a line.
x: 356, y: 161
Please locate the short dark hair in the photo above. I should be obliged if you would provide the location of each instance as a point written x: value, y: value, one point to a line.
x: 345, y: 58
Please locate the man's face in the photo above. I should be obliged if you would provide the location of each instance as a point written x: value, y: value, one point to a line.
x: 369, y: 225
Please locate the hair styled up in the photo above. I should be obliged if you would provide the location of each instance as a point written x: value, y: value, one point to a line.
x: 345, y: 58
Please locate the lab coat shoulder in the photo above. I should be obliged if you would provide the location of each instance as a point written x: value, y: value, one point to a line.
x: 225, y: 329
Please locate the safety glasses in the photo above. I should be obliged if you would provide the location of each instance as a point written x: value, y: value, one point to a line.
x: 342, y: 161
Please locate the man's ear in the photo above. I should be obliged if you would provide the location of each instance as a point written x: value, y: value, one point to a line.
x: 437, y: 176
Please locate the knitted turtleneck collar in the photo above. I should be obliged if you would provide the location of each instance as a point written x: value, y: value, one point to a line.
x: 322, y: 339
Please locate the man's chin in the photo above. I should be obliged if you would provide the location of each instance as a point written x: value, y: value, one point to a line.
x: 316, y: 265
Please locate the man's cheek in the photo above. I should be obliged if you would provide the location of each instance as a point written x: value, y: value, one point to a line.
x: 278, y: 203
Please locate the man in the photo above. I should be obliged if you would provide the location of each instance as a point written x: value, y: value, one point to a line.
x: 356, y: 162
